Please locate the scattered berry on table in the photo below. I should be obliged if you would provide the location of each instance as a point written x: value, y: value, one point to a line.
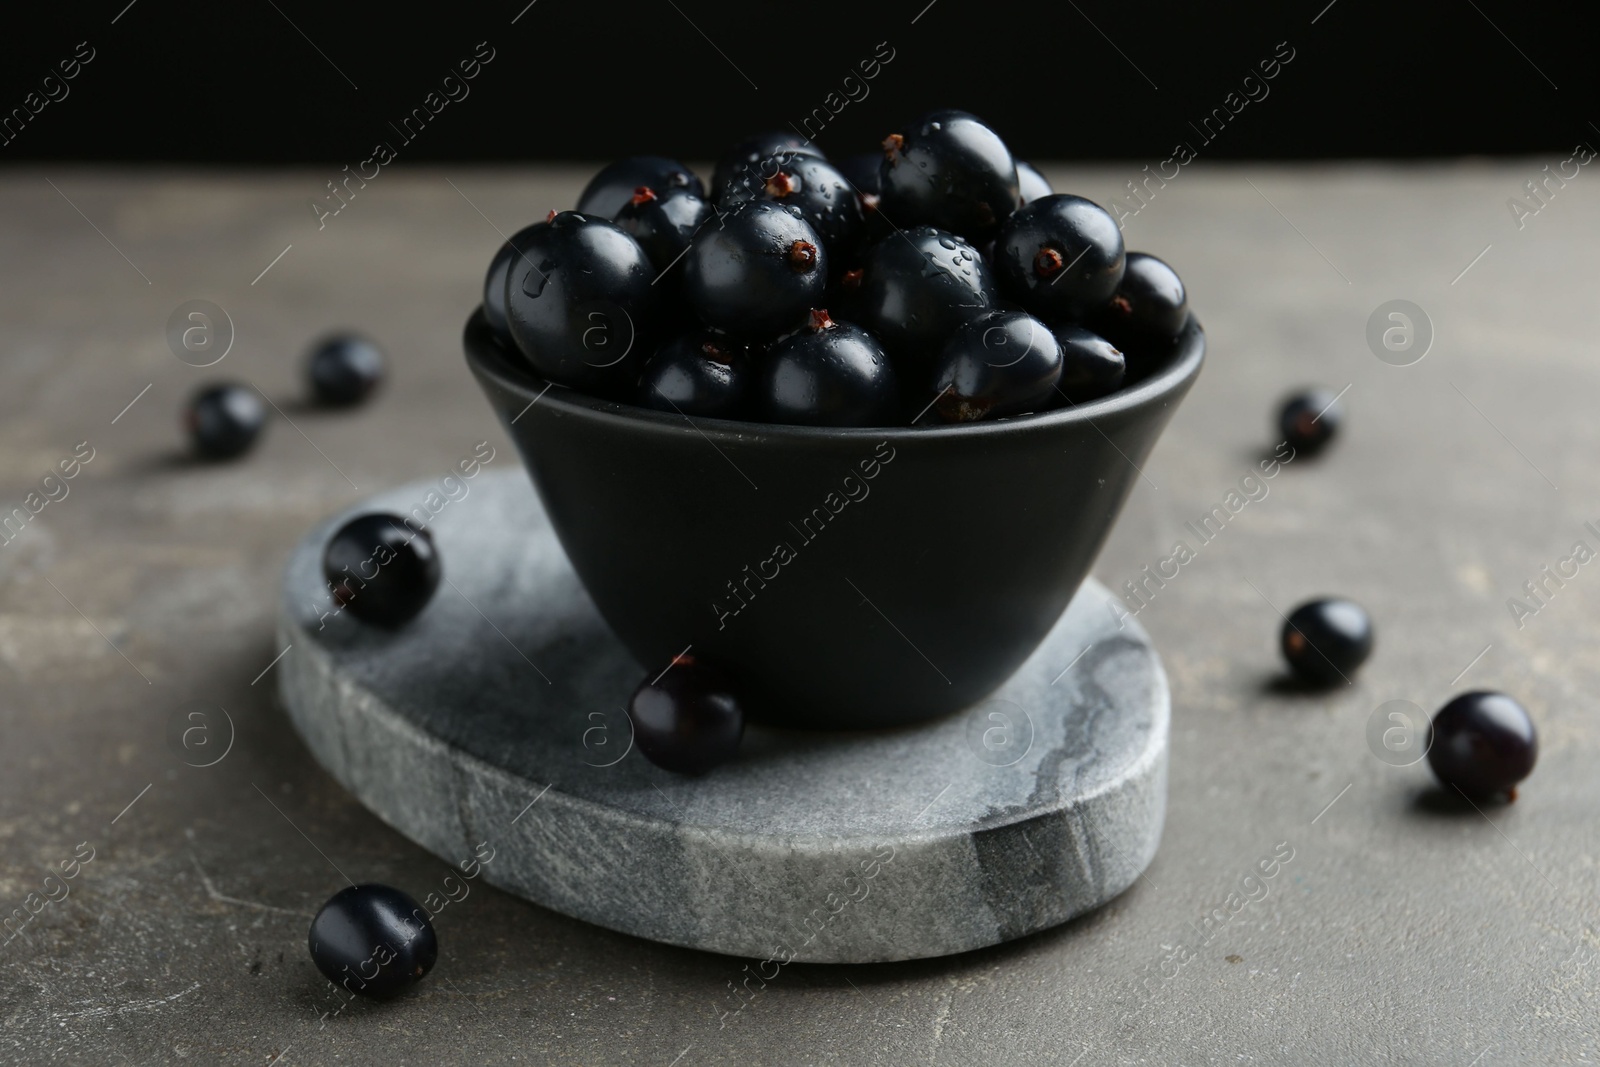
x: 224, y: 420
x: 384, y: 571
x: 1482, y: 743
x: 688, y: 719
x: 1327, y: 640
x: 345, y: 369
x: 1310, y: 419
x: 373, y: 940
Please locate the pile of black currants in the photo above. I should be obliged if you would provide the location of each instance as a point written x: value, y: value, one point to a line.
x: 940, y: 282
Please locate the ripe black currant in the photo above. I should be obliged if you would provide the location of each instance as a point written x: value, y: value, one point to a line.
x: 614, y: 186
x: 580, y: 303
x: 700, y: 373
x: 688, y: 719
x: 224, y: 420
x: 754, y: 272
x: 373, y: 940
x: 1482, y: 743
x: 827, y: 373
x: 1061, y: 257
x: 948, y: 170
x: 1326, y: 641
x: 381, y: 569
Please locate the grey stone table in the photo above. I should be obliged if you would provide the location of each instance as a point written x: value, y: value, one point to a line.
x: 1393, y: 928
x: 1044, y: 800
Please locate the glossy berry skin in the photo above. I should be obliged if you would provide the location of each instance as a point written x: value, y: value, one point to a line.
x: 663, y: 223
x: 755, y: 272
x: 1031, y: 185
x: 1091, y: 366
x: 580, y: 304
x: 1006, y: 363
x: 614, y: 185
x: 381, y: 570
x: 815, y: 187
x: 697, y: 374
x: 224, y: 420
x: 345, y: 369
x: 1326, y: 641
x: 494, y: 281
x: 1148, y: 309
x: 948, y: 170
x: 915, y: 292
x: 1060, y: 257
x: 373, y: 940
x: 1311, y: 419
x: 827, y: 374
x: 689, y: 719
x: 739, y: 163
x: 1482, y: 743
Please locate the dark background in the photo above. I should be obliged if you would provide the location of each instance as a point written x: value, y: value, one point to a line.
x: 244, y: 83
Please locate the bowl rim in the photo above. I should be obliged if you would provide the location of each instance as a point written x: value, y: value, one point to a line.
x: 489, y: 358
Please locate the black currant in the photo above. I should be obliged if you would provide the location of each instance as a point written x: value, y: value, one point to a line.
x: 494, y: 280
x: 1060, y: 257
x: 827, y: 373
x: 755, y: 271
x: 1031, y: 185
x: 224, y: 420
x: 914, y: 290
x: 1148, y: 309
x: 1006, y: 363
x: 948, y: 170
x: 1482, y: 743
x: 739, y: 164
x: 580, y: 303
x: 701, y: 373
x: 1326, y: 641
x: 688, y: 719
x: 381, y: 569
x: 373, y: 940
x: 1310, y: 419
x: 614, y: 186
x: 815, y: 187
x: 344, y: 369
x: 663, y: 223
x: 1091, y: 366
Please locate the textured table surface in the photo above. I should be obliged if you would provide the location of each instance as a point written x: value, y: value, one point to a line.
x: 1393, y: 928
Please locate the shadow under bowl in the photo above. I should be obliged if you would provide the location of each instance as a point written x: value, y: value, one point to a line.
x: 848, y: 578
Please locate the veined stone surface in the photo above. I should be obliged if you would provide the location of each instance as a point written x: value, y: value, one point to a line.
x: 497, y: 716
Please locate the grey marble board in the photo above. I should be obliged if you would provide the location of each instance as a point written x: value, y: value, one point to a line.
x: 497, y: 717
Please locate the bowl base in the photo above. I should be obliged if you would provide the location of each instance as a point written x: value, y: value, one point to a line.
x: 494, y: 721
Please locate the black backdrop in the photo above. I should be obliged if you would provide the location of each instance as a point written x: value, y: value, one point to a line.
x: 289, y: 81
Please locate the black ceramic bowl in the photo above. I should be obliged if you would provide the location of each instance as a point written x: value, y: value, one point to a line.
x: 850, y: 578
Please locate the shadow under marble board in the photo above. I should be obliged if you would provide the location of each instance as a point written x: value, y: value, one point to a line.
x: 497, y: 716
